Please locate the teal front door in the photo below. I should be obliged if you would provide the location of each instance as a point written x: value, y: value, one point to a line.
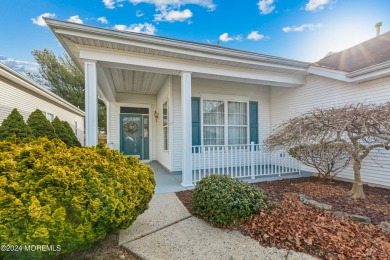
x: 135, y: 135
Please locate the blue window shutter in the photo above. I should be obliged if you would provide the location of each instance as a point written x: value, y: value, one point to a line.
x: 253, y: 121
x: 195, y: 108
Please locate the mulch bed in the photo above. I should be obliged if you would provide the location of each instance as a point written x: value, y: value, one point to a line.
x: 376, y: 206
x: 299, y: 227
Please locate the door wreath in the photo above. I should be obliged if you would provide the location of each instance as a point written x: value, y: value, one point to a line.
x: 130, y: 127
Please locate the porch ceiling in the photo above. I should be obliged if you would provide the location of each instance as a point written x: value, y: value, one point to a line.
x: 131, y: 81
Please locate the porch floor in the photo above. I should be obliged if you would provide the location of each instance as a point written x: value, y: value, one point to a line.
x: 167, y: 182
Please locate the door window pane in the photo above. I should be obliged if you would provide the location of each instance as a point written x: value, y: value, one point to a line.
x: 165, y: 127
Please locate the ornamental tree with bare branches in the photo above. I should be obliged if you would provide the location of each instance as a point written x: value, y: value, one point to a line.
x: 327, y: 158
x: 361, y: 127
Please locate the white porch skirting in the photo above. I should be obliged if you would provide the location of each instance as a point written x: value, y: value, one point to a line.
x: 240, y: 161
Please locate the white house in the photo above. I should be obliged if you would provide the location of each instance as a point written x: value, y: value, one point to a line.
x: 18, y: 91
x: 198, y: 108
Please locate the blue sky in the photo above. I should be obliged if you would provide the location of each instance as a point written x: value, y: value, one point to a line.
x: 304, y: 30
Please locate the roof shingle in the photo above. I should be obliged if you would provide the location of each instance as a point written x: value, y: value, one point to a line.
x: 363, y: 55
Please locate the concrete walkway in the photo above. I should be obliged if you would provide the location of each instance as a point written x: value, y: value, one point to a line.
x: 168, y: 231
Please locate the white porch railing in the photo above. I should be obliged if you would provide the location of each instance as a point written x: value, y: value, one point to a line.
x: 240, y: 161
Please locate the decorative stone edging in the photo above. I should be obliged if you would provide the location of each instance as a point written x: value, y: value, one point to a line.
x: 385, y: 226
x: 314, y: 203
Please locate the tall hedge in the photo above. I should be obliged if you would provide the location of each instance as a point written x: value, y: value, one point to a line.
x: 14, y: 125
x: 73, y: 137
x: 40, y: 126
x: 72, y: 197
x: 62, y: 132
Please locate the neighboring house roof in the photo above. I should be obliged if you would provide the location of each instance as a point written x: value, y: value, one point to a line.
x: 369, y: 53
x: 27, y: 83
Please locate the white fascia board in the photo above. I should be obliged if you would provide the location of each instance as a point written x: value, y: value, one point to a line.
x: 23, y: 81
x: 192, y: 49
x: 165, y: 63
x: 328, y: 73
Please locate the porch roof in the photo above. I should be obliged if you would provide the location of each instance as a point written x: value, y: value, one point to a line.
x: 119, y: 52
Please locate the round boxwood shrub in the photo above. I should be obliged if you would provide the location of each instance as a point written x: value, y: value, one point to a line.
x: 224, y: 201
x: 71, y: 197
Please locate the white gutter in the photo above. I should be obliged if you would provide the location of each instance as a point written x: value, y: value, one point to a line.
x: 376, y: 67
x: 21, y: 80
x: 362, y: 75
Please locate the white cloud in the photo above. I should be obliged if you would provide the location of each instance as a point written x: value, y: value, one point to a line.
x: 19, y: 65
x: 103, y: 20
x: 226, y: 38
x: 315, y: 5
x: 146, y: 28
x: 254, y: 35
x: 266, y: 6
x: 173, y: 16
x: 75, y: 19
x: 110, y: 4
x: 176, y: 3
x: 301, y: 28
x: 39, y: 19
x: 139, y: 13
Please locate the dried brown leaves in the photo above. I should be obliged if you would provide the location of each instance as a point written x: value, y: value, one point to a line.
x: 299, y: 227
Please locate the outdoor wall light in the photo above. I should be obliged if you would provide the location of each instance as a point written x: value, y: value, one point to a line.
x: 156, y: 115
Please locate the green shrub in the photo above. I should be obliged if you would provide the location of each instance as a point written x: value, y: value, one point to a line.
x: 61, y: 132
x: 72, y: 197
x: 224, y: 201
x: 73, y: 137
x: 14, y: 125
x: 40, y: 126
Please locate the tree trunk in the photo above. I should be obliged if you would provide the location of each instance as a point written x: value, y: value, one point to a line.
x: 357, y: 188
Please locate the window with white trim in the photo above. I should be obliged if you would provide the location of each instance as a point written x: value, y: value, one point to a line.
x: 165, y: 126
x: 225, y: 122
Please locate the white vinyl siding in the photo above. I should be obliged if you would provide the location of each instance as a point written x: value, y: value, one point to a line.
x: 323, y: 92
x: 26, y: 101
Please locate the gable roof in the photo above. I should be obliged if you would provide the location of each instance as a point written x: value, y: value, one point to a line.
x: 369, y: 53
x: 27, y: 83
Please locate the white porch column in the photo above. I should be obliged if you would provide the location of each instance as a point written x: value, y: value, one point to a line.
x: 91, y: 103
x: 186, y: 128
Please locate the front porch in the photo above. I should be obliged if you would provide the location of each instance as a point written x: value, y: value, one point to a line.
x: 194, y: 108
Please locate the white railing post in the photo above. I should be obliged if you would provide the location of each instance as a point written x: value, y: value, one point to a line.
x: 252, y: 156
